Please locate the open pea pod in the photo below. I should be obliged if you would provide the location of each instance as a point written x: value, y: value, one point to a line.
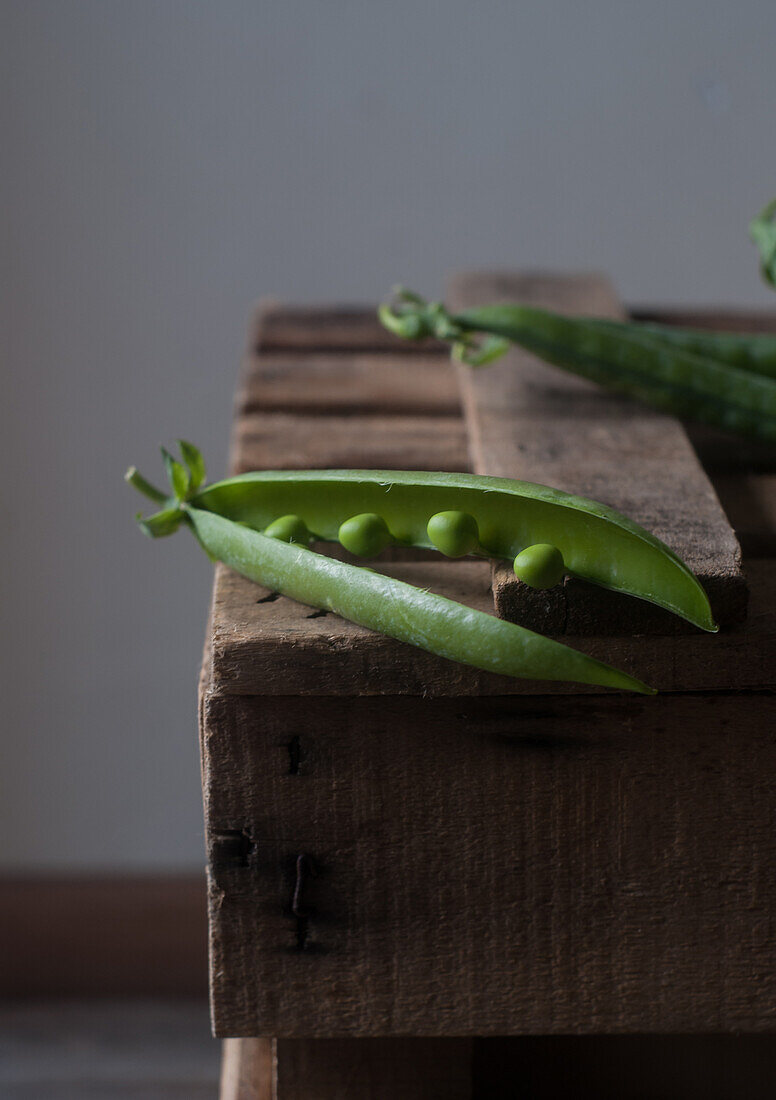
x: 595, y: 542
x: 399, y: 610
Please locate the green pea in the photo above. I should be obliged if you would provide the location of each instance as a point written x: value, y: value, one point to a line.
x: 455, y: 534
x: 365, y: 535
x: 289, y: 529
x: 540, y: 566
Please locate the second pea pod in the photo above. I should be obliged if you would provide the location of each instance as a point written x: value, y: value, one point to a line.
x: 546, y: 533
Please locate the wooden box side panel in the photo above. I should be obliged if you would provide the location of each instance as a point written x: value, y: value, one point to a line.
x: 505, y: 866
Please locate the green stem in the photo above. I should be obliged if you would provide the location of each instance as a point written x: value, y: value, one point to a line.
x: 134, y: 478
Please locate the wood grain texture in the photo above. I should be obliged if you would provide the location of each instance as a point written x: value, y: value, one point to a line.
x: 279, y: 327
x: 103, y: 936
x: 528, y: 420
x: 422, y: 852
x: 374, y: 1069
x: 367, y: 442
x: 541, y: 865
x: 248, y: 1070
x: 324, y: 384
x: 265, y: 644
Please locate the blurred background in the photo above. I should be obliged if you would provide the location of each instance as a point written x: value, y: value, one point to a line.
x: 164, y: 165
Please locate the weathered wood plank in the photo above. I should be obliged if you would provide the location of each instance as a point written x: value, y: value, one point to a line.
x: 373, y: 1069
x: 278, y: 327
x: 451, y: 858
x: 293, y: 442
x: 248, y: 1070
x: 529, y: 420
x: 268, y: 644
x: 353, y: 384
x: 491, y: 866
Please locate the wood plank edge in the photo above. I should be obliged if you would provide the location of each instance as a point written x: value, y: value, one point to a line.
x: 248, y: 1069
x: 278, y: 327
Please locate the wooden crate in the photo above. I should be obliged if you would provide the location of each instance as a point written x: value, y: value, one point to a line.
x: 404, y: 847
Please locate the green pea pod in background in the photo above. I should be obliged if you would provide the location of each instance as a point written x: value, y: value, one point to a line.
x: 754, y: 352
x: 762, y: 230
x: 625, y: 358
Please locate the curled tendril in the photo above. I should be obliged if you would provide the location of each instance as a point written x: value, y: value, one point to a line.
x: 413, y: 318
x: 481, y: 351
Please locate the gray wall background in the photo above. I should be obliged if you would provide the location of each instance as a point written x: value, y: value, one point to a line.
x: 165, y: 163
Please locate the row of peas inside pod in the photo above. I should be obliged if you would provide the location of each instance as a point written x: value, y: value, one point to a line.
x: 262, y: 523
x: 454, y: 534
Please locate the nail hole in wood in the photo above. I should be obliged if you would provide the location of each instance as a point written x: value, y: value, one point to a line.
x: 305, y: 869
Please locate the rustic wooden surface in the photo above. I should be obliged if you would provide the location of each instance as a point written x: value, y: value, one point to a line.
x: 267, y: 644
x: 322, y: 383
x: 528, y: 420
x: 248, y: 1070
x: 377, y: 442
x: 491, y: 866
x: 358, y: 409
x: 472, y: 862
x: 277, y: 326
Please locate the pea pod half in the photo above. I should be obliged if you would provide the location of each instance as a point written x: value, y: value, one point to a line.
x: 596, y: 543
